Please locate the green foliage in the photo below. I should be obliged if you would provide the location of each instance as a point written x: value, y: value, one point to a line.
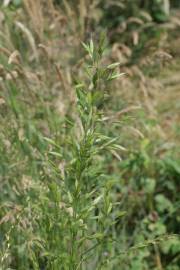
x: 77, y: 192
x: 71, y: 210
x: 73, y: 197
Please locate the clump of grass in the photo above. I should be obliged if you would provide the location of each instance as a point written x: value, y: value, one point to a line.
x: 64, y: 208
x: 81, y: 209
x: 69, y: 213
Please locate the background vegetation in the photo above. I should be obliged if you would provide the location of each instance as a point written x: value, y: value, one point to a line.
x: 89, y: 134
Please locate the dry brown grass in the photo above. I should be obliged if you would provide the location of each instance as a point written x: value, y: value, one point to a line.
x: 66, y: 27
x: 34, y: 10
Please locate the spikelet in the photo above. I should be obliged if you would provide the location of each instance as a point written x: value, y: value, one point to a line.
x: 30, y: 38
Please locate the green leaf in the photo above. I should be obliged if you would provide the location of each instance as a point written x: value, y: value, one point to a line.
x: 97, y: 200
x: 163, y: 203
x: 114, y: 65
x: 115, y: 76
x: 51, y: 141
x: 55, y: 154
x: 149, y: 185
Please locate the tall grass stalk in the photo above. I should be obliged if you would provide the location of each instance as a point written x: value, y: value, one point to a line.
x: 85, y: 208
